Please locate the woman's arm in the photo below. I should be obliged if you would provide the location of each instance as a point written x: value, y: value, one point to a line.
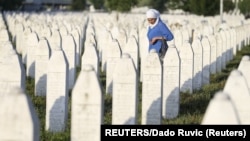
x: 166, y: 33
x: 157, y: 38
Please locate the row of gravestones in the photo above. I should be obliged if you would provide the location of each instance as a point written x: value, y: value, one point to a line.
x: 161, y: 83
x: 230, y: 106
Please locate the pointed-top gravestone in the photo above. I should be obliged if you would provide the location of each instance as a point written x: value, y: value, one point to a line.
x: 187, y: 67
x: 152, y: 89
x: 104, y: 47
x: 237, y: 88
x: 218, y: 52
x: 55, y: 40
x: 143, y: 49
x: 132, y: 49
x: 76, y: 36
x: 69, y: 49
x: 27, y: 31
x: 57, y: 92
x: 12, y: 70
x: 90, y: 57
x: 41, y: 62
x: 113, y: 55
x: 32, y: 44
x: 198, y: 63
x: 244, y: 67
x: 221, y: 110
x: 178, y: 38
x: 125, y: 92
x: 19, y: 122
x: 224, y: 49
x: 87, y: 106
x: 19, y: 37
x: 171, y: 83
x: 213, y: 57
x: 206, y: 60
x: 4, y: 35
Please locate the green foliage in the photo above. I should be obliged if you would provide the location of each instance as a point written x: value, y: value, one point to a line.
x: 211, y: 8
x: 78, y: 5
x: 219, y: 77
x: 244, y: 7
x: 143, y: 2
x: 120, y: 5
x: 98, y: 4
x: 158, y: 4
x: 199, y: 7
x: 203, y: 7
x: 108, y: 109
x: 10, y: 4
x: 196, y: 6
x: 175, y: 4
x: 228, y: 5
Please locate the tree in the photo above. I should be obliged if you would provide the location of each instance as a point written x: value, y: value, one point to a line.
x: 158, y: 4
x: 228, y: 5
x: 206, y: 7
x: 98, y: 4
x: 10, y: 4
x: 244, y: 7
x: 143, y: 2
x: 78, y: 5
x: 120, y: 5
x: 175, y: 4
x: 202, y: 7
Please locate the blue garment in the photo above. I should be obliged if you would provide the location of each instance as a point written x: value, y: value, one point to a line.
x: 160, y: 29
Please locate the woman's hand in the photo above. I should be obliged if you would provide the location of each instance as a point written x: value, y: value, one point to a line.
x: 154, y: 40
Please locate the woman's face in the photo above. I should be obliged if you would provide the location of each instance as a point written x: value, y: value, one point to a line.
x: 151, y: 20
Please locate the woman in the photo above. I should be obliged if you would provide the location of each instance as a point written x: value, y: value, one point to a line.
x: 157, y: 30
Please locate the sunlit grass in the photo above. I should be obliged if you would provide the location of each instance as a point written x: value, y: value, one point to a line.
x: 192, y: 106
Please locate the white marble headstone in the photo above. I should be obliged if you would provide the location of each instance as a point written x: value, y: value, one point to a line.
x: 69, y: 49
x: 213, y: 47
x: 152, y: 89
x: 113, y: 55
x: 206, y: 60
x: 90, y: 57
x: 19, y: 122
x: 125, y: 92
x: 237, y: 88
x: 218, y: 52
x: 187, y: 67
x: 171, y: 83
x: 32, y: 44
x: 198, y: 63
x: 132, y: 49
x: 87, y: 106
x: 244, y: 67
x: 43, y: 53
x: 221, y: 110
x: 57, y: 92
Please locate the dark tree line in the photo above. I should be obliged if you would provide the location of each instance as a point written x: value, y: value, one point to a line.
x: 244, y: 7
x: 198, y: 7
x: 10, y: 4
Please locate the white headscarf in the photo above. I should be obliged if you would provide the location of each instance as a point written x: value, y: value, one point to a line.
x: 153, y: 13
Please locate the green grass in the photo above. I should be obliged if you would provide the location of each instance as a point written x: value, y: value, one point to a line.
x: 192, y: 106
